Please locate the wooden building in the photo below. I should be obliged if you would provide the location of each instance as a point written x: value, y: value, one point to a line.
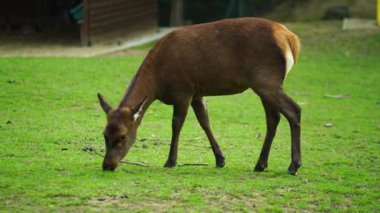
x: 100, y: 20
x: 111, y: 19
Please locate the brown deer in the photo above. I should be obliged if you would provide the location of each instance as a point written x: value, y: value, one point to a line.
x: 219, y: 58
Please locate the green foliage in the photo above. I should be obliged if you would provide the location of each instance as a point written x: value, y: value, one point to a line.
x: 200, y: 11
x: 49, y: 113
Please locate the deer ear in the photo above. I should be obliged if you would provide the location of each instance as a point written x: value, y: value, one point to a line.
x: 138, y: 109
x: 105, y: 106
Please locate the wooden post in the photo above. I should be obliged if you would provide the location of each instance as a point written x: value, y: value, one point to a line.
x: 85, y: 25
x: 176, y: 13
x: 378, y: 12
x: 242, y: 8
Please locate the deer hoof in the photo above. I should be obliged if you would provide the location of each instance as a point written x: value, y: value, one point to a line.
x: 170, y: 164
x: 220, y: 165
x: 294, y: 167
x: 260, y: 167
x: 220, y: 162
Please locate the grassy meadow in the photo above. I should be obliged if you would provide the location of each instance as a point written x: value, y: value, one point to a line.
x: 50, y: 121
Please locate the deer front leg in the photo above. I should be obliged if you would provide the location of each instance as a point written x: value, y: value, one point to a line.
x: 179, y: 115
x: 200, y: 110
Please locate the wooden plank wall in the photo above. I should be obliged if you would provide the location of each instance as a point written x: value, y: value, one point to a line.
x: 112, y: 19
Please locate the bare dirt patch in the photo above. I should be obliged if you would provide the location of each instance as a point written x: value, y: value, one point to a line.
x: 104, y: 202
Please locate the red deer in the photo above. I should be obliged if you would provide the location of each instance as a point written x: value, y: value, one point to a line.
x: 219, y: 58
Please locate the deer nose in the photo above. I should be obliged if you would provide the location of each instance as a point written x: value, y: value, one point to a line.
x: 108, y: 168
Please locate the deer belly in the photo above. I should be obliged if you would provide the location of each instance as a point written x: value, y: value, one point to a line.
x: 215, y: 88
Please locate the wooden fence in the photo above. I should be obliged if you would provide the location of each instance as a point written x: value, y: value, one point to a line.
x: 108, y: 20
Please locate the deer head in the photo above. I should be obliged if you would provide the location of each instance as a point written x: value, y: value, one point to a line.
x: 120, y: 131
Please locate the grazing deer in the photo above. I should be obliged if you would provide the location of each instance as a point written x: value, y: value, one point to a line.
x: 219, y: 58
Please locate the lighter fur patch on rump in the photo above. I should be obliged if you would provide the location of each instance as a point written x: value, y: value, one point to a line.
x: 289, y: 59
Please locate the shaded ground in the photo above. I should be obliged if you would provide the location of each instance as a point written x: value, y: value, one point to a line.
x: 312, y: 10
x: 47, y: 44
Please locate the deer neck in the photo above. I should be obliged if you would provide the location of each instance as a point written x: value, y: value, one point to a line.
x: 143, y: 85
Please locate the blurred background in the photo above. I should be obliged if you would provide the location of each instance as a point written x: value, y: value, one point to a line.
x: 89, y: 22
x: 198, y: 11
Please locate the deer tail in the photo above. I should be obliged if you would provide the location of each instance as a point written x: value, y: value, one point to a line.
x: 295, y: 46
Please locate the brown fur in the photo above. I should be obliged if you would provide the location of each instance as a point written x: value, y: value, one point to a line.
x: 218, y: 58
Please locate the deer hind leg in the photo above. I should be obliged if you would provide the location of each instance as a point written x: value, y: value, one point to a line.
x: 278, y: 99
x: 272, y: 119
x: 200, y: 110
x: 179, y: 114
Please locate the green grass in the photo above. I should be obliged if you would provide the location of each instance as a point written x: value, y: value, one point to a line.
x: 49, y: 113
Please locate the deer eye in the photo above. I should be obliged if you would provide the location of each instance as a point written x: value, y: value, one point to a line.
x: 121, y: 138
